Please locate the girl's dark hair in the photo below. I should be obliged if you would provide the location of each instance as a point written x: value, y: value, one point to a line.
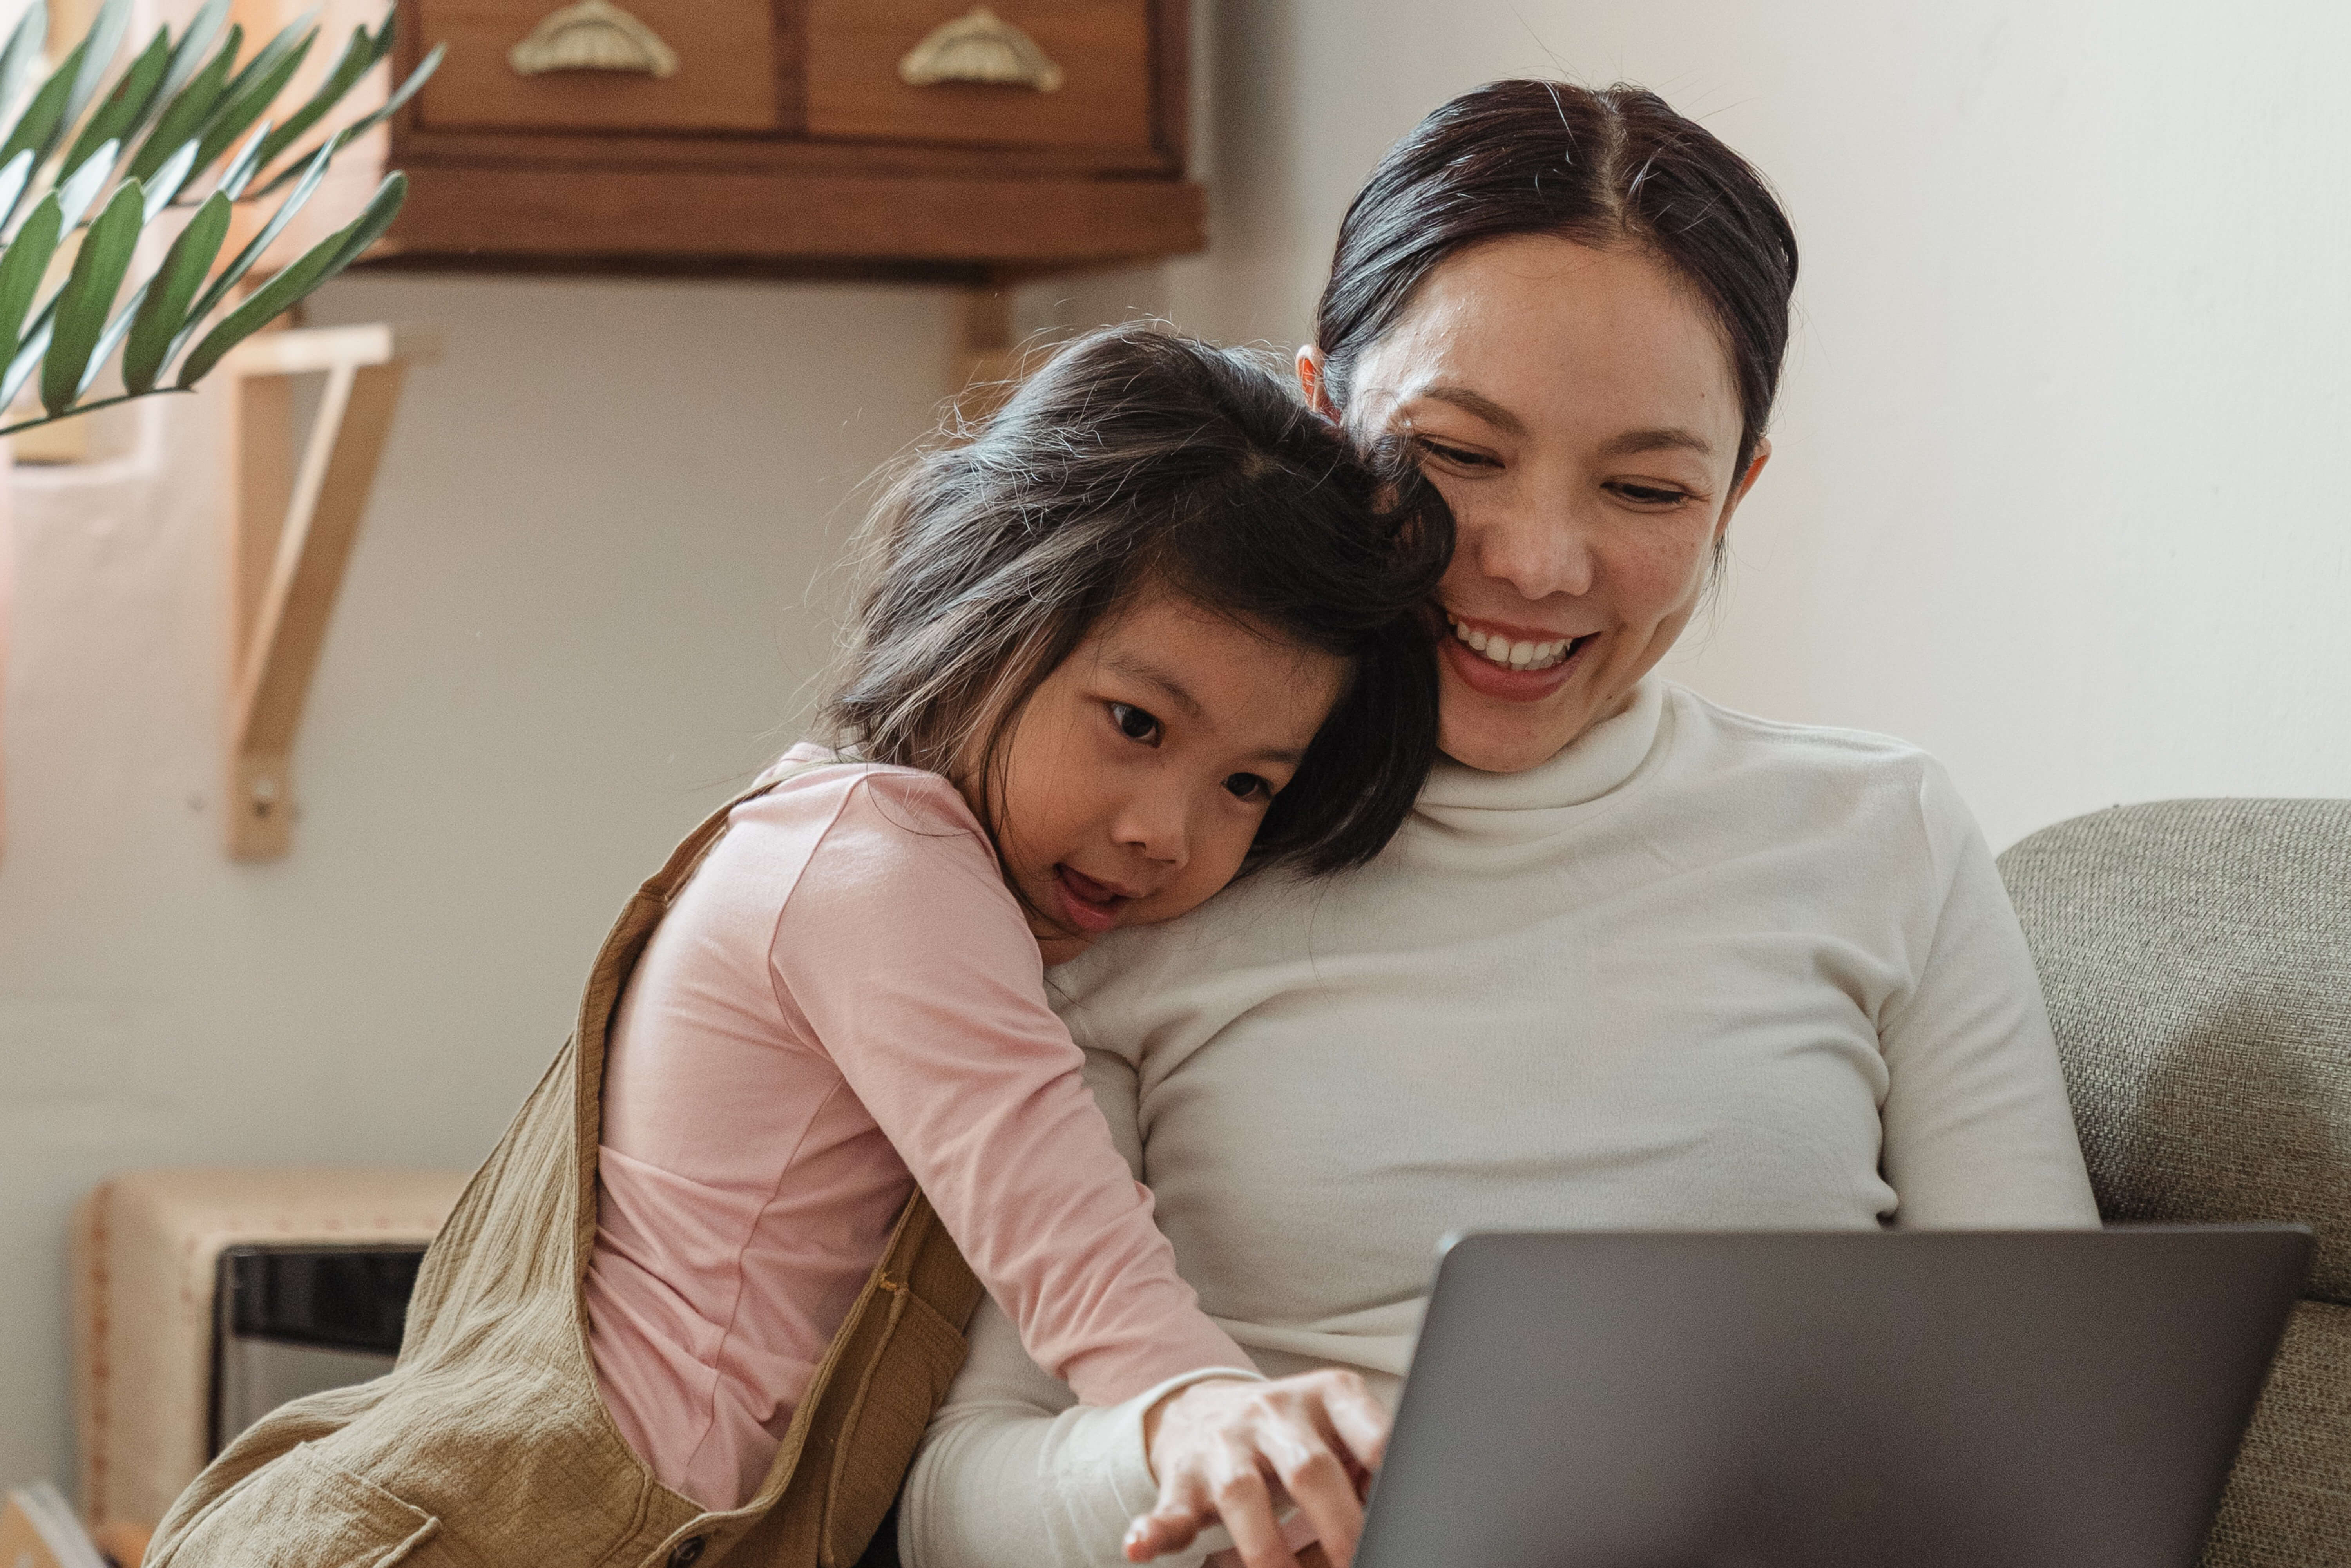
x: 1597, y: 167
x: 1136, y: 459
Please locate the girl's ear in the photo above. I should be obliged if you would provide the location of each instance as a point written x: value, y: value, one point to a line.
x: 1311, y: 382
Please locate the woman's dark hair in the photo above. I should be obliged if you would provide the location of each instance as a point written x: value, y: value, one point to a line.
x: 1137, y: 460
x: 1596, y: 167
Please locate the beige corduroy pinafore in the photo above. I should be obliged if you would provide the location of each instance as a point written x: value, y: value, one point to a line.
x: 487, y: 1443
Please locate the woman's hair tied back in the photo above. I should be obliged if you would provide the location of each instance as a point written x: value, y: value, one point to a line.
x: 1599, y: 166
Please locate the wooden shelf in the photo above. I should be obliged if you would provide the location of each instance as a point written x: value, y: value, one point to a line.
x: 456, y: 216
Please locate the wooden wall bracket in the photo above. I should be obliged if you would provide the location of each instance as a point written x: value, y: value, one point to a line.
x: 985, y: 361
x: 291, y: 527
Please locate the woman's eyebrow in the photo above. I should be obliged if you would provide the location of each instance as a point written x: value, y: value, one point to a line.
x: 1470, y: 400
x: 1663, y: 439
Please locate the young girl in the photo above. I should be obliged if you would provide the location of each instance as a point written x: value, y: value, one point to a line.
x: 1154, y: 626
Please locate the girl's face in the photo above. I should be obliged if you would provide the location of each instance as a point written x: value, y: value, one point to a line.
x: 1136, y: 775
x: 1578, y: 409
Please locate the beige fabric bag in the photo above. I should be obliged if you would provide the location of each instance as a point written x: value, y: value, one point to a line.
x: 487, y: 1444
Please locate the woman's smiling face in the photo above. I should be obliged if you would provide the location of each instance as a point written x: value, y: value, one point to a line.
x: 1577, y: 408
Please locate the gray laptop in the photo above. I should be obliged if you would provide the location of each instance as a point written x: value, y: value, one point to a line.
x: 1951, y: 1399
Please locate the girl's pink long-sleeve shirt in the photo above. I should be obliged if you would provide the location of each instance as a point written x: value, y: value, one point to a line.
x: 843, y: 1001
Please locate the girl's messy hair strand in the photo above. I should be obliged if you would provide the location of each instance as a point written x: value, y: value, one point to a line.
x: 1136, y: 461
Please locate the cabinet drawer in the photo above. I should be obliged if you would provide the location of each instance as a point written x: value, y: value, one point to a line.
x: 723, y: 52
x: 1100, y: 51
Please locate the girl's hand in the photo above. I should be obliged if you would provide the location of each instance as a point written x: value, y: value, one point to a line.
x: 1226, y: 1450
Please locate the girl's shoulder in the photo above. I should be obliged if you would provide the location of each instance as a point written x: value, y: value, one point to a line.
x: 856, y: 821
x: 815, y: 778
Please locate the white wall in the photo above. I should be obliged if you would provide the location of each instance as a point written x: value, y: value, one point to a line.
x: 2056, y: 493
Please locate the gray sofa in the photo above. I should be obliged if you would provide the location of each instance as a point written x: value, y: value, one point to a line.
x: 2197, y: 959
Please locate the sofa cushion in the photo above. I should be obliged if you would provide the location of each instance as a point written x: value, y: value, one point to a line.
x: 2289, y: 1499
x: 2197, y: 959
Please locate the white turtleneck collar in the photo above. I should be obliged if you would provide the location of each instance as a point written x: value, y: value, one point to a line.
x: 1595, y: 764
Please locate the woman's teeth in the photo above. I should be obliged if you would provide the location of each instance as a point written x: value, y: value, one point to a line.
x: 1513, y: 655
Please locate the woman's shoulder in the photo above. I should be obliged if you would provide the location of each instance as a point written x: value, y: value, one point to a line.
x: 1822, y: 746
x: 1709, y: 731
x: 1817, y: 769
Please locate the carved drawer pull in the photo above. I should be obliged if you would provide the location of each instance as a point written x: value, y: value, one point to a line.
x: 980, y: 46
x: 593, y: 35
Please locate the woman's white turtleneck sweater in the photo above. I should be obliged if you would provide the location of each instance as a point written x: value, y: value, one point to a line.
x: 1697, y: 970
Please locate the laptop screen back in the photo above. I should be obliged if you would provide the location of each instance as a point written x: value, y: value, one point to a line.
x: 1951, y: 1399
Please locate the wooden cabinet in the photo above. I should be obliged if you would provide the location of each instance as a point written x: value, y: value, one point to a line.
x: 912, y: 138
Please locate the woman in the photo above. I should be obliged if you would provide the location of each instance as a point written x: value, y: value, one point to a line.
x: 1636, y: 961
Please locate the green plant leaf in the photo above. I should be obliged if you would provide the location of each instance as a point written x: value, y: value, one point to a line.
x: 358, y: 56
x: 15, y: 175
x: 99, y: 47
x: 392, y: 106
x: 186, y: 115
x: 23, y: 47
x: 249, y: 96
x: 169, y: 179
x: 175, y: 284
x: 27, y: 358
x: 89, y: 296
x: 43, y: 120
x: 189, y: 52
x: 78, y: 189
x: 296, y: 32
x: 387, y: 35
x: 318, y: 264
x: 236, y: 269
x: 239, y: 172
x: 127, y: 107
x: 22, y: 268
x: 278, y: 47
x: 115, y: 331
x: 373, y: 221
x: 268, y: 301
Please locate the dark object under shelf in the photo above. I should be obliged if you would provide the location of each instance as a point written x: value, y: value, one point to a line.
x: 299, y: 1320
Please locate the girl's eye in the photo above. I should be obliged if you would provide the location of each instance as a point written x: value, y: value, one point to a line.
x: 1249, y: 787
x: 1135, y: 724
x: 1456, y: 455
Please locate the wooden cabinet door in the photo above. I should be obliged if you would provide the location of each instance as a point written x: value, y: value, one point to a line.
x: 1101, y: 51
x: 720, y: 57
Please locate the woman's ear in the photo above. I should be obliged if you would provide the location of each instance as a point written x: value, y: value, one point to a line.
x: 1310, y: 382
x: 1746, y: 483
